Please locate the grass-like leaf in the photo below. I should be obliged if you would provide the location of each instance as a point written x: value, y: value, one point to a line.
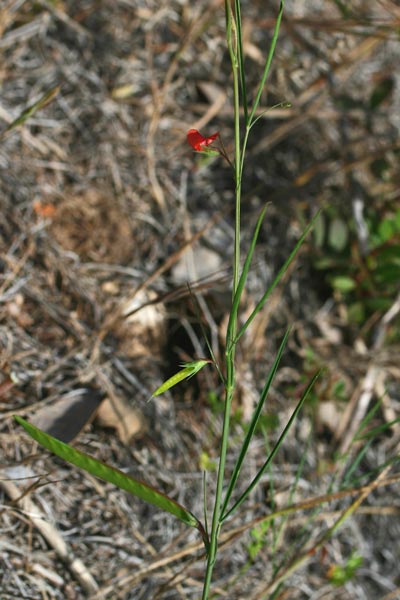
x: 274, y: 451
x: 267, y: 65
x: 32, y: 109
x: 112, y: 475
x: 377, y: 430
x: 242, y: 73
x: 253, y: 423
x: 277, y: 279
x: 243, y: 277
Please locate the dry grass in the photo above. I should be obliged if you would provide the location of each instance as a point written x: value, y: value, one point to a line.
x: 97, y: 191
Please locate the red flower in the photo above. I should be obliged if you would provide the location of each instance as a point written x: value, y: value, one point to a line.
x: 199, y: 142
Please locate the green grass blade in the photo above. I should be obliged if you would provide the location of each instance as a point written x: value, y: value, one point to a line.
x: 242, y: 74
x: 272, y: 455
x: 125, y: 482
x: 253, y: 423
x: 376, y: 430
x: 277, y: 279
x: 243, y: 277
x: 394, y: 460
x: 267, y: 63
x: 32, y: 109
x: 355, y: 463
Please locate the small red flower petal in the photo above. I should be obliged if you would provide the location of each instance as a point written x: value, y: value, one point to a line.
x: 198, y: 141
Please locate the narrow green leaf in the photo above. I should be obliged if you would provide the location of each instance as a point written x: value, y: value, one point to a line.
x: 277, y: 279
x: 243, y: 277
x: 125, y: 482
x: 377, y: 430
x: 33, y: 108
x: 242, y: 73
x: 274, y: 451
x: 268, y: 62
x: 253, y: 423
x: 189, y: 369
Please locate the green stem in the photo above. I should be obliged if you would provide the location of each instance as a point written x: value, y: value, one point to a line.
x: 216, y: 524
x: 234, y: 44
x: 232, y: 329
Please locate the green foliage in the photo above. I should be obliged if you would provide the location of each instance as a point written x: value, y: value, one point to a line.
x: 188, y: 370
x: 341, y: 574
x: 366, y: 283
x: 216, y: 402
x: 339, y: 390
x: 206, y: 463
x: 381, y: 92
x: 107, y: 473
x: 258, y: 540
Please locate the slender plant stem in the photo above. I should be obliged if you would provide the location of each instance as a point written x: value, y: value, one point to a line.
x: 234, y: 43
x: 232, y: 329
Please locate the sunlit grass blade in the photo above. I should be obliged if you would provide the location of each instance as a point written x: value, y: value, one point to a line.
x: 253, y: 423
x: 274, y: 451
x: 32, y: 109
x: 189, y: 369
x: 277, y: 279
x: 243, y: 277
x: 112, y: 475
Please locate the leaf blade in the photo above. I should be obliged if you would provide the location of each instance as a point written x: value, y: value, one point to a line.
x: 189, y: 369
x: 254, y: 421
x: 95, y: 467
x: 32, y: 109
x: 272, y: 454
x: 278, y: 277
x: 243, y: 277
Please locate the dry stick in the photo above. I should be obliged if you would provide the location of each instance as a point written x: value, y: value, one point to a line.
x: 50, y: 534
x: 317, y: 94
x: 230, y: 536
x: 122, y: 310
x: 381, y: 28
x: 262, y: 591
x: 333, y: 166
x: 359, y: 403
x: 393, y: 595
x: 212, y: 111
x: 159, y: 96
